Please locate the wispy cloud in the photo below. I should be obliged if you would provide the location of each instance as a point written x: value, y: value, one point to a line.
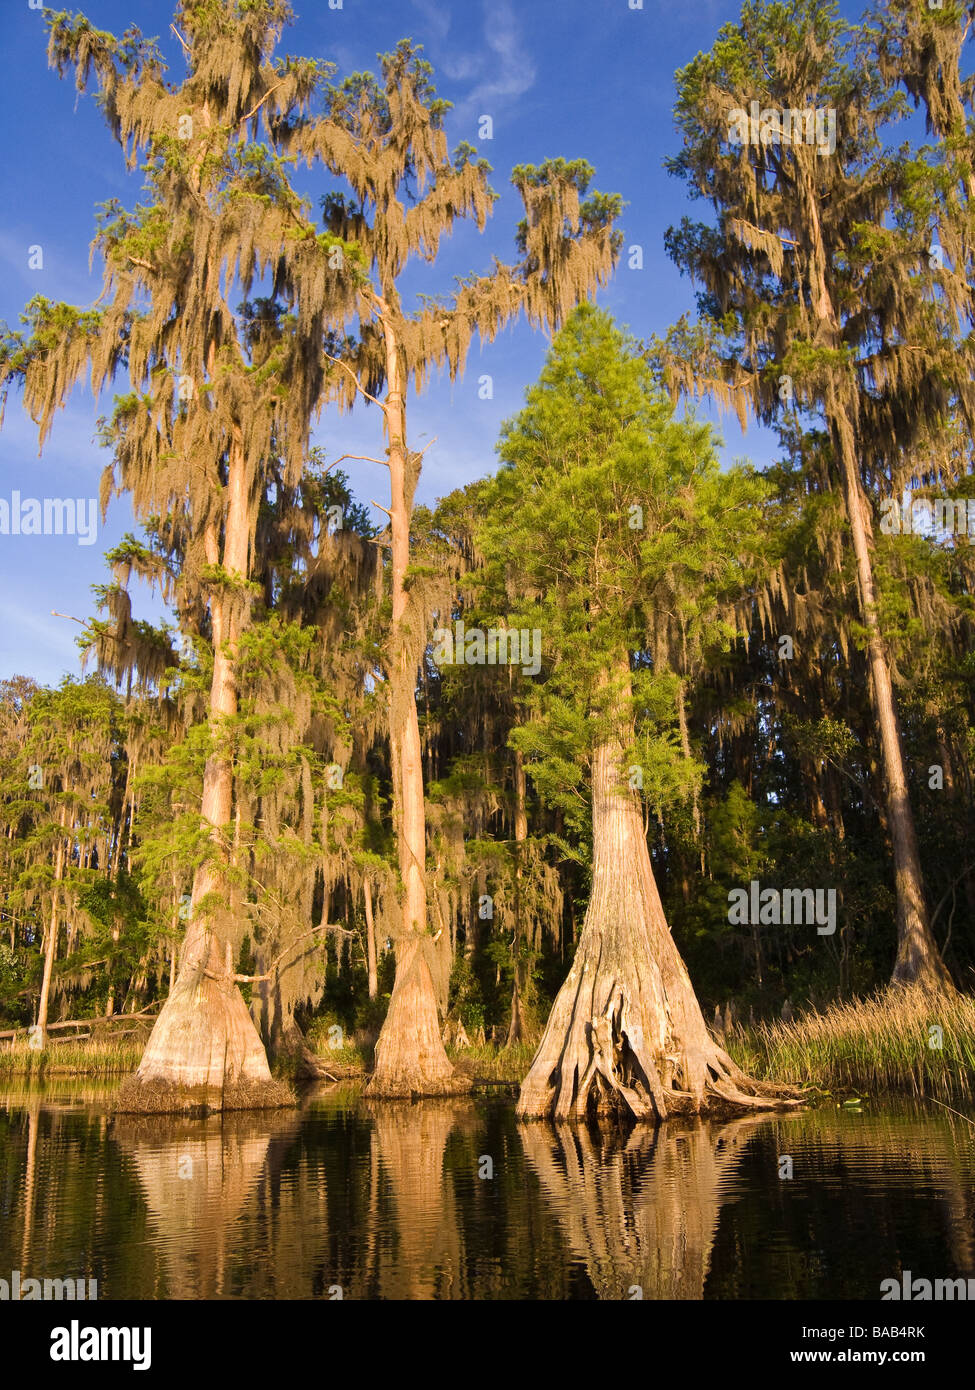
x: 503, y: 66
x: 437, y: 18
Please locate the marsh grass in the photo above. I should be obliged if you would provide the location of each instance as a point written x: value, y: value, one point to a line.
x: 882, y: 1044
x: 351, y: 1058
x: 488, y: 1062
x: 872, y: 1046
x: 94, y: 1056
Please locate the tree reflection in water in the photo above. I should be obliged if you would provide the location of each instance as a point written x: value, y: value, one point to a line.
x: 197, y: 1177
x: 420, y: 1251
x: 639, y: 1211
x: 388, y: 1200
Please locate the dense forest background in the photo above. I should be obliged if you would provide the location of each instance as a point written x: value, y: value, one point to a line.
x: 757, y: 752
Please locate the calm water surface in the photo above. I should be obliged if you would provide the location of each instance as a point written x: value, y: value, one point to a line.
x: 388, y: 1201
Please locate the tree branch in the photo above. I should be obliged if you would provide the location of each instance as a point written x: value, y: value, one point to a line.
x: 364, y: 458
x: 358, y: 385
x: 244, y: 119
x: 256, y: 979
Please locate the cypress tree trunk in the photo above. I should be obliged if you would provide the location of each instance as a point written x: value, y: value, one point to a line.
x: 516, y: 1022
x: 373, y: 987
x: 626, y: 1031
x: 204, y: 1051
x: 918, y: 960
x: 50, y: 945
x: 410, y: 1056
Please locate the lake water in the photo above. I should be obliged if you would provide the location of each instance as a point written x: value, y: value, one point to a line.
x: 457, y: 1201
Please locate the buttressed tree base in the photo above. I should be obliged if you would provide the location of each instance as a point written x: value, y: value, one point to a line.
x: 204, y: 1055
x: 626, y: 1034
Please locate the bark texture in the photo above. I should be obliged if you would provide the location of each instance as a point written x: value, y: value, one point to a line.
x: 373, y: 978
x: 50, y: 943
x: 516, y: 1021
x: 918, y: 959
x: 410, y: 1056
x: 626, y: 1032
x: 204, y: 1052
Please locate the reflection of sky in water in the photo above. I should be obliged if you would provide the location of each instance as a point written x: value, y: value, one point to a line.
x: 386, y: 1201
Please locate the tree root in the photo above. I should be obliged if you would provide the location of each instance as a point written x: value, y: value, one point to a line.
x: 204, y: 1055
x: 417, y: 1086
x: 156, y: 1096
x: 605, y: 1065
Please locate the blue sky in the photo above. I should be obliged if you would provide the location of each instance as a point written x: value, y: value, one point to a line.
x: 576, y: 78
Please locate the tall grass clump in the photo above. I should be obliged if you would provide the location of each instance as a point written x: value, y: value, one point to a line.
x: 900, y: 1040
x: 492, y: 1062
x: 94, y: 1056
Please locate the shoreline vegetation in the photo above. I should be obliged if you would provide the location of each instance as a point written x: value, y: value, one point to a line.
x: 891, y: 1043
x: 508, y: 756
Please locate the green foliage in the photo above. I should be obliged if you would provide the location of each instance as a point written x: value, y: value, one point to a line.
x: 613, y: 532
x: 659, y: 583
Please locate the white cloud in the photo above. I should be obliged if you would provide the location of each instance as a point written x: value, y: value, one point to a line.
x: 436, y: 17
x: 504, y: 57
x: 461, y: 67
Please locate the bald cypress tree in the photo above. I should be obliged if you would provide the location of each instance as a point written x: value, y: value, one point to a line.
x: 214, y: 394
x: 595, y: 450
x: 399, y: 195
x: 819, y: 291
